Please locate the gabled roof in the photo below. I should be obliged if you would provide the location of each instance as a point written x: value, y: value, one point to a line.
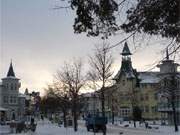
x: 126, y: 50
x: 11, y: 71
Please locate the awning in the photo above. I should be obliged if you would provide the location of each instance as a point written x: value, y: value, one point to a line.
x: 3, y: 109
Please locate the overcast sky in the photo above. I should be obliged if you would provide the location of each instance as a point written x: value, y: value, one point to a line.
x: 39, y: 39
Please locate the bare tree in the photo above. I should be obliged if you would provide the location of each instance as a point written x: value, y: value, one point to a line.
x: 58, y: 95
x: 170, y: 91
x: 101, y: 64
x: 72, y: 78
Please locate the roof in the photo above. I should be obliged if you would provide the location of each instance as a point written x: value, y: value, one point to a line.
x: 148, y: 77
x: 126, y: 69
x: 11, y: 71
x: 3, y: 109
x: 22, y: 95
x: 126, y: 50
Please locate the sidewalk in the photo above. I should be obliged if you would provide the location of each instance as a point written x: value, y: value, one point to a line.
x: 4, y: 130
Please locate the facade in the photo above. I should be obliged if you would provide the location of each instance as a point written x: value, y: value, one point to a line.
x: 11, y: 100
x: 169, y: 91
x: 142, y: 89
x: 32, y: 102
x: 152, y: 92
x: 91, y: 103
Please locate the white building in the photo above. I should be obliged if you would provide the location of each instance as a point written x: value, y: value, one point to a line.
x: 11, y: 101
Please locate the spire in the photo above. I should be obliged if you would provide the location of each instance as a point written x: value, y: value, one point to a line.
x: 11, y: 71
x: 126, y: 50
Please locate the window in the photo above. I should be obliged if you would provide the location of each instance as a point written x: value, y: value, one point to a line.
x: 154, y: 109
x: 156, y: 96
x: 14, y: 100
x: 6, y: 86
x: 15, y: 87
x: 11, y: 86
x: 123, y: 82
x: 11, y: 99
x: 146, y: 108
x: 5, y: 99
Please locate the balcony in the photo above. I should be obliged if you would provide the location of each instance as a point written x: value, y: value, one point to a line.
x: 166, y: 107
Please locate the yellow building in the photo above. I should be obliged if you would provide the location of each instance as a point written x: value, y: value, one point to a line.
x: 135, y: 89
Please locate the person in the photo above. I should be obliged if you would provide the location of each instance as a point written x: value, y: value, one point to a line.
x: 42, y: 117
x: 32, y: 121
x: 146, y: 124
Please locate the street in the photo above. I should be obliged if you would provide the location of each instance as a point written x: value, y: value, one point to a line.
x: 48, y: 128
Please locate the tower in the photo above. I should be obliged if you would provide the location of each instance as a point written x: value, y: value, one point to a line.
x: 167, y: 66
x: 126, y: 64
x: 10, y: 93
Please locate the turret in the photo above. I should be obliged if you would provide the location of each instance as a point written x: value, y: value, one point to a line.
x: 167, y: 65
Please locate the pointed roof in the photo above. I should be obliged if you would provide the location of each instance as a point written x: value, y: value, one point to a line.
x: 126, y: 50
x: 11, y: 71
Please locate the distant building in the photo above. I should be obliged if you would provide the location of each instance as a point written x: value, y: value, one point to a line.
x: 32, y: 102
x: 10, y: 98
x: 91, y: 103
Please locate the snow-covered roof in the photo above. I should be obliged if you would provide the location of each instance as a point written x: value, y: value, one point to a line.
x: 148, y: 77
x: 22, y: 95
x: 3, y: 109
x: 27, y: 97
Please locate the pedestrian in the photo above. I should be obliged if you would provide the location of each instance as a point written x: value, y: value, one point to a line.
x: 42, y: 117
x: 146, y: 124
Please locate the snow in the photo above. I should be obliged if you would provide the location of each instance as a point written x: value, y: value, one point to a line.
x: 148, y: 77
x: 48, y: 128
x: 3, y: 109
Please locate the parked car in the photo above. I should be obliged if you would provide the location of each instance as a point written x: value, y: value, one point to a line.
x: 96, y: 123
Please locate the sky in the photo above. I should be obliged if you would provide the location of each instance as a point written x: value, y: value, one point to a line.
x: 39, y: 39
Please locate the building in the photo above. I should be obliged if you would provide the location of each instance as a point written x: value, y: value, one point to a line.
x: 142, y: 89
x: 169, y: 90
x: 150, y: 91
x: 10, y: 99
x: 32, y: 102
x: 91, y: 103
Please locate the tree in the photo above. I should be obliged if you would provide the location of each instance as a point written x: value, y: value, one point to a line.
x: 57, y: 97
x: 154, y: 17
x: 101, y: 64
x: 169, y: 91
x: 73, y: 80
x: 137, y: 113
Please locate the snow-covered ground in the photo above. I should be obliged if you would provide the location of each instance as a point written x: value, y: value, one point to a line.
x: 47, y: 128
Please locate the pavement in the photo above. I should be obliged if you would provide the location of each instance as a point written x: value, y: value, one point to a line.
x: 48, y: 128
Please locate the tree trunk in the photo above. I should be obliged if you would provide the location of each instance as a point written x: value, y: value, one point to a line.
x: 102, y: 102
x: 112, y: 109
x: 174, y: 115
x: 112, y: 117
x: 64, y: 118
x: 173, y: 104
x: 75, y: 115
x: 103, y: 105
